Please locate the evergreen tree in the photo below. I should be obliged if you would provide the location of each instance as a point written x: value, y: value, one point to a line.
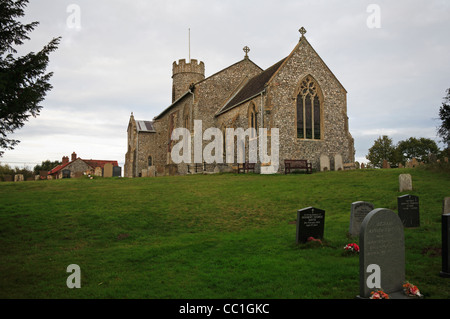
x: 444, y: 115
x: 23, y: 81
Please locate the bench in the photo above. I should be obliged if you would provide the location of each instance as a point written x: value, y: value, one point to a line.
x: 242, y: 167
x: 297, y: 164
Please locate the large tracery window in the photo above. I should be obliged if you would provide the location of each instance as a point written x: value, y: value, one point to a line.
x: 309, y: 110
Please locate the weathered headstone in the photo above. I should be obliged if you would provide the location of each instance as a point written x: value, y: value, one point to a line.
x: 363, y: 166
x: 386, y: 164
x: 310, y: 223
x: 408, y: 210
x: 18, y: 178
x: 405, y: 182
x: 359, y: 210
x: 108, y: 170
x: 445, y: 246
x: 324, y: 163
x: 446, y: 206
x: 98, y: 171
x: 338, y: 165
x: 382, y: 254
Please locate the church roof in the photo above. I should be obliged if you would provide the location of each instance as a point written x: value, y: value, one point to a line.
x: 254, y: 86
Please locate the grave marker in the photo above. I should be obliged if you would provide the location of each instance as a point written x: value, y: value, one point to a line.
x: 359, y: 210
x: 408, y: 210
x: 310, y: 223
x: 382, y: 254
x: 445, y: 246
x: 324, y: 163
x: 405, y: 182
x: 338, y: 166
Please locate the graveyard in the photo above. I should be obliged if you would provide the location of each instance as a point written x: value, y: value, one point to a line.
x: 222, y: 235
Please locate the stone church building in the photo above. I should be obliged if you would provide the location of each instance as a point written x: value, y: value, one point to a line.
x: 299, y: 95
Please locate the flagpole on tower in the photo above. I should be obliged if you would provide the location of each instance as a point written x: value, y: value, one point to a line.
x: 189, y: 40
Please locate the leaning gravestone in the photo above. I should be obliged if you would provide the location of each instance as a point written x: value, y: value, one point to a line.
x: 408, y: 210
x: 405, y: 182
x: 359, y: 210
x: 310, y: 223
x: 382, y: 254
x: 445, y: 246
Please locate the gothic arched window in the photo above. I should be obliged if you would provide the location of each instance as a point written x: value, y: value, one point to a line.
x: 309, y: 110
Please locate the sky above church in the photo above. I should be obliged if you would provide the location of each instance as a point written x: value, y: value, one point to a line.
x: 115, y: 57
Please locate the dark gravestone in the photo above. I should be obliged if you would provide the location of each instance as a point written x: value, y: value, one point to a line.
x: 445, y: 246
x: 358, y: 212
x: 310, y: 223
x: 382, y: 254
x: 117, y: 171
x: 408, y: 210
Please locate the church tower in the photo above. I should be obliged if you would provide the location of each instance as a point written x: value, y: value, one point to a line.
x: 184, y: 74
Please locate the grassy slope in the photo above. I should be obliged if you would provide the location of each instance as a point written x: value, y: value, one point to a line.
x: 204, y: 236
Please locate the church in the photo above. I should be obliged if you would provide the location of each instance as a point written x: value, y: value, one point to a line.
x: 298, y: 95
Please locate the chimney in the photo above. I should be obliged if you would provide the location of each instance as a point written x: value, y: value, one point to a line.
x: 74, y: 156
x: 65, y: 160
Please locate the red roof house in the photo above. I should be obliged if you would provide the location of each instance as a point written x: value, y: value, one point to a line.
x: 78, y: 167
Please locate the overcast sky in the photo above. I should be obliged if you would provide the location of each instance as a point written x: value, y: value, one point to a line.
x: 116, y: 57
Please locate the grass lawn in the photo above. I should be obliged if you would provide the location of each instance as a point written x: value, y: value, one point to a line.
x: 205, y: 236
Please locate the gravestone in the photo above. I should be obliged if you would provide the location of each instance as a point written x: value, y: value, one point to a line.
x: 324, y: 163
x: 18, y: 178
x: 108, y: 170
x: 117, y: 171
x: 445, y: 246
x: 338, y: 166
x: 310, y: 223
x: 363, y: 166
x: 405, y: 182
x: 359, y: 210
x: 98, y: 171
x: 408, y: 210
x: 386, y: 164
x: 382, y: 254
x: 446, y: 206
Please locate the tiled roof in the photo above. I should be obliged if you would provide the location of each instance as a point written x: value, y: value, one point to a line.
x: 251, y: 88
x: 90, y: 162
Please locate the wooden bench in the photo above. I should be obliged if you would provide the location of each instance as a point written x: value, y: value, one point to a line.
x: 242, y: 167
x: 297, y: 164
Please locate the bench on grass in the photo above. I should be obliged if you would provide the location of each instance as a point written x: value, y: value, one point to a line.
x: 297, y: 164
x: 242, y: 167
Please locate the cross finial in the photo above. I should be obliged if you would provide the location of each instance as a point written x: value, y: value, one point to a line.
x: 302, y: 31
x: 246, y: 50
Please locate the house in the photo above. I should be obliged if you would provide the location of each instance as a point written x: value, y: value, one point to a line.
x: 78, y: 167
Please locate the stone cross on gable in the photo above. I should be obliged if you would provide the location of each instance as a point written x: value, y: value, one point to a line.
x: 302, y: 31
x: 246, y: 50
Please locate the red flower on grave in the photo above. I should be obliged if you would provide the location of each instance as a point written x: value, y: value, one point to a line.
x: 411, y: 290
x: 352, y: 247
x: 314, y: 239
x: 379, y: 294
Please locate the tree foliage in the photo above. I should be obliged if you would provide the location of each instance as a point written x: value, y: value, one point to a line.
x: 23, y: 81
x: 382, y: 149
x: 444, y: 115
x: 45, y: 166
x: 419, y: 148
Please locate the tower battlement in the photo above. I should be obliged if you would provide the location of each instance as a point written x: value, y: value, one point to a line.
x: 188, y: 67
